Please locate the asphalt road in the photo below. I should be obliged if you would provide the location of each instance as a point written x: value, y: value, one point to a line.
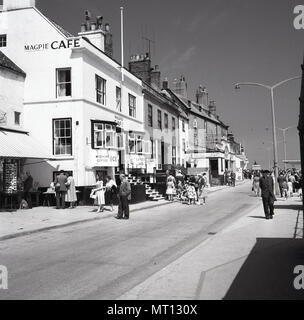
x: 103, y: 259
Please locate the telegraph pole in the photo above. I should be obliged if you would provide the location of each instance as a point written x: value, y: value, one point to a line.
x: 301, y: 129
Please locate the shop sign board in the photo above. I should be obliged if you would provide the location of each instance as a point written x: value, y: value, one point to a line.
x: 104, y: 158
x: 137, y: 161
x: 151, y: 164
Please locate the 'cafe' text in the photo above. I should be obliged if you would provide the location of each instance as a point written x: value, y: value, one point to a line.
x: 55, y: 45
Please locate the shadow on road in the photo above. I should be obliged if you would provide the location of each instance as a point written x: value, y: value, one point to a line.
x: 268, y: 272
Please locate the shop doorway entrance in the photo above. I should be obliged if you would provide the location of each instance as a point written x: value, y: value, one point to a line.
x: 214, y: 168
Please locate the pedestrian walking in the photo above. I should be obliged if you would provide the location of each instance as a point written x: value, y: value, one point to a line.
x: 71, y: 195
x: 256, y: 185
x: 111, y: 191
x: 60, y: 189
x: 290, y: 188
x: 98, y: 194
x: 124, y: 196
x: 27, y: 187
x: 233, y: 177
x: 284, y: 190
x: 281, y: 180
x: 268, y: 197
x: 202, y: 190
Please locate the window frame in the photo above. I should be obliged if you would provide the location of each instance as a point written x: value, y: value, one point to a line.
x: 118, y: 98
x: 150, y: 115
x: 104, y: 131
x: 3, y: 40
x: 132, y: 107
x: 58, y: 84
x: 17, y: 113
x: 159, y: 119
x: 174, y: 155
x: 166, y: 121
x: 173, y: 124
x: 66, y: 137
x: 102, y: 91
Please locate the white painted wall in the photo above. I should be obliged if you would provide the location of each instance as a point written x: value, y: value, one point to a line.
x: 11, y: 97
x: 40, y: 102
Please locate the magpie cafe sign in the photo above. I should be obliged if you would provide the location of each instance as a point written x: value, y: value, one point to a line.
x: 105, y: 158
x: 54, y: 45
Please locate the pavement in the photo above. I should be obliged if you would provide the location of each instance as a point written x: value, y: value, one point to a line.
x: 16, y: 223
x: 253, y: 258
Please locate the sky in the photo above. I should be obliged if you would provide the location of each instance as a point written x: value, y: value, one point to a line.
x: 215, y: 43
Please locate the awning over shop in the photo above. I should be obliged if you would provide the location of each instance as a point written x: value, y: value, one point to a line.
x: 18, y: 144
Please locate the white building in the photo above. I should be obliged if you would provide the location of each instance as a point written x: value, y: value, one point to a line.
x: 75, y: 101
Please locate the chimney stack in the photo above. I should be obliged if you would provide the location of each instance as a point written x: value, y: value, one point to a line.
x: 202, y: 96
x: 212, y: 107
x: 180, y: 86
x: 108, y: 41
x: 140, y: 65
x: 155, y: 77
x: 18, y: 4
x: 98, y: 35
x: 165, y: 84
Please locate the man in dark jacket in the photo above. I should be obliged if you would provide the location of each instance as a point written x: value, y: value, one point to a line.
x: 281, y: 180
x: 61, y: 189
x: 266, y: 185
x: 124, y: 196
x: 233, y: 177
x: 27, y: 187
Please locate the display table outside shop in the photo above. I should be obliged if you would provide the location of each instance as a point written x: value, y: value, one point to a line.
x: 50, y: 197
x: 12, y: 200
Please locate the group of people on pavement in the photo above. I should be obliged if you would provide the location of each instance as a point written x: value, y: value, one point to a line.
x: 65, y: 190
x: 229, y: 178
x: 191, y: 189
x: 111, y: 191
x: 263, y: 184
x: 290, y: 183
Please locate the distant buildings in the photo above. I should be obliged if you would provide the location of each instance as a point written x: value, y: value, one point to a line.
x: 93, y: 120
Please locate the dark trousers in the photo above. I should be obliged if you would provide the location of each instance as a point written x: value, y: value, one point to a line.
x: 123, y: 207
x: 281, y: 190
x: 28, y: 198
x: 60, y: 197
x: 268, y: 206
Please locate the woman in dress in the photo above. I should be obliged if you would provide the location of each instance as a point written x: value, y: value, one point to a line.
x: 111, y: 191
x: 191, y: 194
x: 256, y: 184
x: 99, y: 192
x: 170, y: 189
x: 70, y: 195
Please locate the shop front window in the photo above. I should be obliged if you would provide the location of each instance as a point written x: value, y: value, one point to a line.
x: 63, y: 82
x: 104, y: 135
x: 139, y: 144
x: 62, y: 133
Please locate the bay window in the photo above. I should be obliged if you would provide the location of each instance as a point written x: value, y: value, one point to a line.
x: 104, y: 135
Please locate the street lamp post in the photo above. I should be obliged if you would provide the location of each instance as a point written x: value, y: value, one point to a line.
x: 284, y: 140
x: 271, y: 89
